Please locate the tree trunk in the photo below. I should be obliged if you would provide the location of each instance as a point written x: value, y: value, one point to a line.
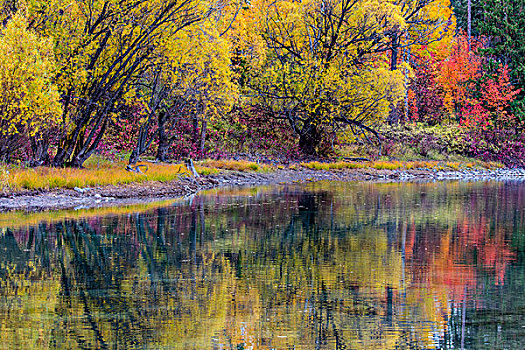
x: 393, y: 116
x: 7, y: 145
x: 140, y: 146
x: 143, y: 141
x: 204, y: 125
x: 68, y: 146
x: 134, y: 157
x: 195, y: 130
x: 77, y: 162
x: 191, y: 167
x: 60, y: 158
x: 395, y: 51
x: 162, y: 149
x: 308, y: 142
x: 40, y: 152
x: 85, y: 147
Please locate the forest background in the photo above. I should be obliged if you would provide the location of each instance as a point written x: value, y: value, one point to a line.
x: 281, y: 80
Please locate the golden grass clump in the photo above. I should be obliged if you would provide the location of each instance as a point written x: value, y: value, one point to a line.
x: 420, y: 164
x: 238, y: 165
x: 204, y: 171
x: 386, y: 165
x: 453, y: 165
x: 345, y: 165
x: 332, y: 166
x: 493, y: 165
x: 315, y: 165
x: 49, y: 178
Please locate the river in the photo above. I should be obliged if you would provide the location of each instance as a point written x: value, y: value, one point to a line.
x: 324, y: 265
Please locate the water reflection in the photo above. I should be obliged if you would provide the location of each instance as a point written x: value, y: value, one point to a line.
x: 319, y: 266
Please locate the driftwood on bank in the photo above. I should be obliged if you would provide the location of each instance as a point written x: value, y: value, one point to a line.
x: 136, y: 168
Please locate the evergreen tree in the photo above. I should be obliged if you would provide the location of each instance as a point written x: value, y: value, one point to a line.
x: 502, y: 22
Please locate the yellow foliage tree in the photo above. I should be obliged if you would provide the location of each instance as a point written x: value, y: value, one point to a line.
x: 193, y: 80
x: 430, y: 26
x: 29, y: 101
x: 103, y: 48
x: 324, y: 66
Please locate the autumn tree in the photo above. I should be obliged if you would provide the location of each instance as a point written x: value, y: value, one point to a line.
x: 428, y: 24
x: 425, y: 95
x: 103, y: 47
x: 29, y: 101
x: 427, y: 21
x: 456, y: 73
x: 193, y: 79
x: 320, y: 69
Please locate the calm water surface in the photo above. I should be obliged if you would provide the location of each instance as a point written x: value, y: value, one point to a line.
x: 317, y: 266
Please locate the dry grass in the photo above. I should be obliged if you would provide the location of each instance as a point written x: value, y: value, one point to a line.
x: 421, y: 164
x: 238, y: 165
x: 316, y: 165
x: 204, y: 171
x: 493, y: 165
x: 332, y: 166
x: 388, y: 165
x: 408, y: 165
x: 115, y: 174
x: 453, y: 165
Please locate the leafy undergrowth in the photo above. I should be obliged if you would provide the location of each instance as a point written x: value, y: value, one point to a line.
x: 44, y: 178
x: 453, y: 143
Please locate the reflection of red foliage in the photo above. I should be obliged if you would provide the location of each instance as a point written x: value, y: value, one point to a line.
x: 455, y: 260
x: 492, y: 250
x: 410, y: 241
x: 473, y: 246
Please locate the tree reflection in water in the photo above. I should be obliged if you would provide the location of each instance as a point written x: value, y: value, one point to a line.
x: 317, y: 266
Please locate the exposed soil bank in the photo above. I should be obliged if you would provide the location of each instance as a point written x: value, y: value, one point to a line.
x: 154, y: 191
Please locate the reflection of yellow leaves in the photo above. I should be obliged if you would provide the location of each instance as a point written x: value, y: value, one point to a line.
x: 28, y: 304
x: 256, y: 284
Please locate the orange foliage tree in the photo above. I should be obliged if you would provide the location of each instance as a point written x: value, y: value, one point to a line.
x: 461, y: 85
x: 489, y: 106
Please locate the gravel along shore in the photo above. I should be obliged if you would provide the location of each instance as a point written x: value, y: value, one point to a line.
x: 83, y: 198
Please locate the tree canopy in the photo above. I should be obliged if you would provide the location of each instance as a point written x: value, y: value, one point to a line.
x: 187, y: 78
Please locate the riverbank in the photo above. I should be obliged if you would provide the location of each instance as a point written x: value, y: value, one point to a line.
x: 151, y: 191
